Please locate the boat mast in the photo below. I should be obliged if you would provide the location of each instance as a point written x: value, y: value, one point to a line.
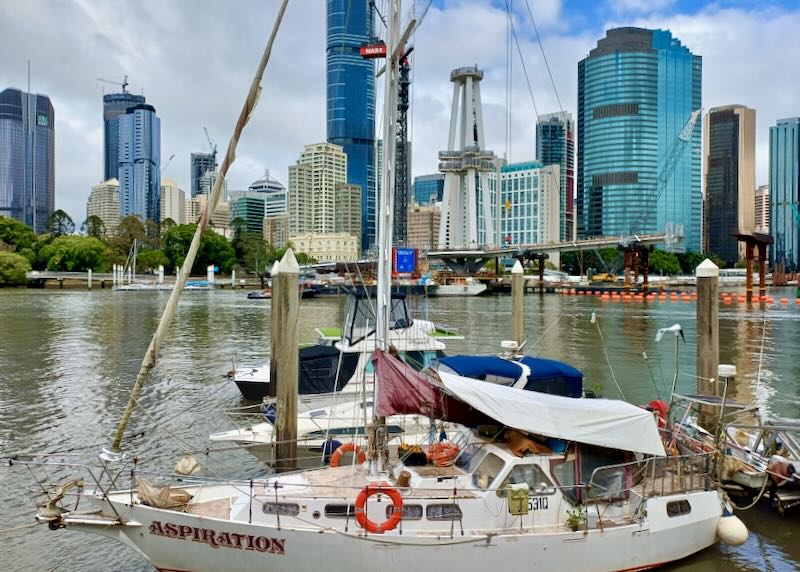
x: 395, y: 42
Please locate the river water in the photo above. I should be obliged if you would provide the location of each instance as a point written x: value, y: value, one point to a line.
x: 68, y: 359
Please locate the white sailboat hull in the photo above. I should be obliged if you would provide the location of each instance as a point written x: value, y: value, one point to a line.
x: 176, y: 541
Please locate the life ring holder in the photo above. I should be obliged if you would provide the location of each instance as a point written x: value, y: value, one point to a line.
x: 397, y: 504
x: 336, y: 457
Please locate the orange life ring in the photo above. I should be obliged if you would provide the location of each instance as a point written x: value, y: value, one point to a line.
x: 388, y: 524
x: 348, y: 448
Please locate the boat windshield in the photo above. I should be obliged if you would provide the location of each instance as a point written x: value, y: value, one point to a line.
x: 360, y: 317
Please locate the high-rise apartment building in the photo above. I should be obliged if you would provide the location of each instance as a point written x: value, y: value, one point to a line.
x: 351, y: 100
x: 27, y: 158
x: 555, y: 145
x: 762, y: 209
x: 207, y: 182
x: 423, y: 226
x: 104, y: 203
x: 200, y: 164
x: 530, y: 203
x: 729, y: 177
x: 140, y: 163
x: 115, y: 105
x: 347, y: 210
x: 784, y: 192
x: 173, y: 202
x: 313, y: 182
x: 219, y: 221
x: 428, y: 189
x: 636, y: 91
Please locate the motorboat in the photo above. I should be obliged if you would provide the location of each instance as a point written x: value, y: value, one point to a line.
x: 341, y: 356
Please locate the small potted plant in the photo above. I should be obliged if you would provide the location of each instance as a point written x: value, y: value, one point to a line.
x: 575, y: 518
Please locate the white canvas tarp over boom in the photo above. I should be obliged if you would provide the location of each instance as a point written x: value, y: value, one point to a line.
x: 603, y: 422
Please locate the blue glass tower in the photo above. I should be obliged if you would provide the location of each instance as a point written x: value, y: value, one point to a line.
x: 428, y: 189
x: 784, y: 192
x: 351, y: 101
x: 114, y: 105
x: 140, y: 163
x: 636, y: 91
x: 27, y: 158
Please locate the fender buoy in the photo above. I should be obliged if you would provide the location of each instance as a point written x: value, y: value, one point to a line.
x: 348, y: 448
x: 388, y: 524
x: 662, y: 409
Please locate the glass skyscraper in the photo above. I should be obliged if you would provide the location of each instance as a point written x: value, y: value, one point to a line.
x: 27, y: 158
x: 351, y: 100
x: 428, y: 189
x: 140, y: 163
x: 784, y: 192
x: 636, y: 91
x: 115, y: 105
x: 555, y: 145
x: 201, y: 163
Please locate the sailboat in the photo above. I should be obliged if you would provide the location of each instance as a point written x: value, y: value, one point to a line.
x: 533, y: 480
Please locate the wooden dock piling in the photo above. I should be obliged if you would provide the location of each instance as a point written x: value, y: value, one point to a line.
x: 284, y: 363
x: 707, y: 274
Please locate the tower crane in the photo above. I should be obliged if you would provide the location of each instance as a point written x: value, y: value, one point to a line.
x: 377, y: 50
x: 123, y: 83
x: 664, y: 175
x: 213, y: 147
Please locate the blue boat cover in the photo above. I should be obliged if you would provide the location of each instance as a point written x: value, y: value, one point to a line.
x: 481, y: 367
x: 554, y: 377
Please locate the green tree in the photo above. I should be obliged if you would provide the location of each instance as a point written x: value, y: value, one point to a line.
x: 151, y: 260
x: 129, y: 229
x: 716, y: 259
x: 94, y: 226
x: 255, y: 253
x: 60, y: 223
x: 664, y: 262
x: 689, y: 261
x: 167, y: 224
x: 75, y: 254
x: 214, y: 249
x: 15, y: 233
x: 152, y: 232
x: 13, y: 268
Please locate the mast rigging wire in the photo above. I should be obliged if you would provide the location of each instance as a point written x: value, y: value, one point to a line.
x: 149, y: 360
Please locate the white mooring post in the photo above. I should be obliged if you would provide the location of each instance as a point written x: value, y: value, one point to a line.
x: 160, y: 273
x: 89, y: 281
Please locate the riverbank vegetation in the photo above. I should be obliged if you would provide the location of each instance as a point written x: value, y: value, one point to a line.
x: 98, y: 248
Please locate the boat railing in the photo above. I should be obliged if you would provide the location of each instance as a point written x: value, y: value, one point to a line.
x: 653, y: 476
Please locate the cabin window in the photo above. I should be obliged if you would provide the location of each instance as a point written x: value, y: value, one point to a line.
x: 447, y: 511
x: 601, y: 468
x: 532, y: 475
x: 678, y: 508
x: 339, y: 510
x: 564, y: 473
x: 487, y: 471
x: 410, y: 511
x: 281, y: 508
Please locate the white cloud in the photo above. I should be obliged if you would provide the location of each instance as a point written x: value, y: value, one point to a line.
x: 195, y: 59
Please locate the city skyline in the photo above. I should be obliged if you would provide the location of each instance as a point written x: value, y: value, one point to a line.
x: 293, y: 103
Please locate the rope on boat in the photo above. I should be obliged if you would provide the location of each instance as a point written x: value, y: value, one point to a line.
x: 755, y: 500
x: 149, y: 360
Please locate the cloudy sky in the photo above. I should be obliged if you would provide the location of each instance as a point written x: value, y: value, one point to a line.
x: 194, y: 59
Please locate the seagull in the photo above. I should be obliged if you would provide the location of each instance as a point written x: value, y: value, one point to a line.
x: 676, y: 329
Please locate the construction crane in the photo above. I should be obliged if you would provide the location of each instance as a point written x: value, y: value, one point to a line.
x: 671, y: 161
x: 167, y: 164
x: 377, y: 50
x: 123, y: 83
x: 213, y: 147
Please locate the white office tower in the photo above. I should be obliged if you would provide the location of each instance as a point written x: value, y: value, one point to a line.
x: 468, y: 210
